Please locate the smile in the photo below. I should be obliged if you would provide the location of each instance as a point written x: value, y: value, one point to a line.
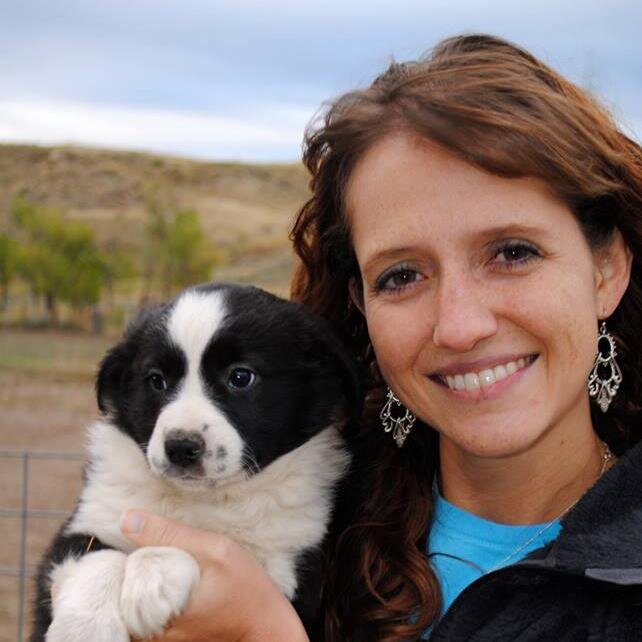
x: 485, y: 378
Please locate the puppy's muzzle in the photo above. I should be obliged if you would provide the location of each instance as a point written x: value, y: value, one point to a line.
x: 184, y: 449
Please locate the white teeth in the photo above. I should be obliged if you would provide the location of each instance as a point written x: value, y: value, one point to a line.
x: 485, y: 378
x: 471, y: 380
x: 500, y: 373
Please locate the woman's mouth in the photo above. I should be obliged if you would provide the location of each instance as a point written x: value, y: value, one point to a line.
x: 484, y: 378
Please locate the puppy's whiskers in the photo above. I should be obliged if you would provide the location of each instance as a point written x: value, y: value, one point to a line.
x: 249, y: 462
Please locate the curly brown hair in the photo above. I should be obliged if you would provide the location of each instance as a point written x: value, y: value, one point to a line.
x: 499, y: 108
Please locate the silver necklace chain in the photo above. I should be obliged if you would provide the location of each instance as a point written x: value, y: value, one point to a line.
x: 607, y: 455
x: 606, y: 458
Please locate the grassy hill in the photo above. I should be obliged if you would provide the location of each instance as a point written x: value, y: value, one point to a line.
x: 245, y: 209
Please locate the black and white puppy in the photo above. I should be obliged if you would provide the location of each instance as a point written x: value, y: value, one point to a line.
x: 220, y: 410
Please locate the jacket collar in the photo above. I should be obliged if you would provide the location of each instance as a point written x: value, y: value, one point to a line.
x: 602, y: 536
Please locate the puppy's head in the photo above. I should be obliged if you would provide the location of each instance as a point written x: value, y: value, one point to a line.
x: 223, y: 380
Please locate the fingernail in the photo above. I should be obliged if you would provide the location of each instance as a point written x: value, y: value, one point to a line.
x: 132, y: 522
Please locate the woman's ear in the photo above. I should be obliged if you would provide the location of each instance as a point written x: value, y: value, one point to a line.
x: 355, y: 288
x: 613, y: 273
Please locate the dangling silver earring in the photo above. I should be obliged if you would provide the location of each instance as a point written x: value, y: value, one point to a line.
x: 397, y: 418
x: 599, y: 385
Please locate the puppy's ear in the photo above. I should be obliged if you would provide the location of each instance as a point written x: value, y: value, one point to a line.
x: 352, y: 375
x: 110, y: 382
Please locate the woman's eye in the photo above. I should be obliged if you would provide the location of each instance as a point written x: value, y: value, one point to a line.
x: 157, y: 382
x: 515, y: 253
x: 397, y: 279
x: 241, y: 378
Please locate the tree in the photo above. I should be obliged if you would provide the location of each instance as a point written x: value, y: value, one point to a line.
x: 119, y: 265
x: 8, y: 266
x: 158, y: 205
x: 177, y: 252
x: 189, y: 256
x: 83, y: 265
x: 60, y: 260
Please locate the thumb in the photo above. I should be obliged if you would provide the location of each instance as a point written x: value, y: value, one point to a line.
x: 149, y: 529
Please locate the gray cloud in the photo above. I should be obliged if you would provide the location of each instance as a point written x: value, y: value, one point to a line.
x: 230, y: 60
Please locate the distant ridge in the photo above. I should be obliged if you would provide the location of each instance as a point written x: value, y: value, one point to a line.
x: 246, y: 209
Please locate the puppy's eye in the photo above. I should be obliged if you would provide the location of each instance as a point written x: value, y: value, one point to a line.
x: 157, y: 381
x: 241, y: 378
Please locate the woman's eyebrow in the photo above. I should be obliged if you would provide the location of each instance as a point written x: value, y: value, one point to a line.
x: 511, y: 229
x: 390, y: 253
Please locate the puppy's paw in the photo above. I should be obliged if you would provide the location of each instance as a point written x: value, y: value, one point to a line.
x: 157, y: 586
x: 85, y: 604
x: 85, y: 627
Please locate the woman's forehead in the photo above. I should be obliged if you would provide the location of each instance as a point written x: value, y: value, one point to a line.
x: 403, y: 190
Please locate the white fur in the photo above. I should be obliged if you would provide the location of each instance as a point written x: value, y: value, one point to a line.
x: 106, y: 595
x: 274, y: 514
x: 193, y: 322
x: 157, y: 585
x: 194, y: 319
x: 86, y: 605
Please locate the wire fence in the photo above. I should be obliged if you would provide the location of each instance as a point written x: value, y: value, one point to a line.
x: 23, y: 514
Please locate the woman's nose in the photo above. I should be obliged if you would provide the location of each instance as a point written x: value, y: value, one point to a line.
x: 463, y: 316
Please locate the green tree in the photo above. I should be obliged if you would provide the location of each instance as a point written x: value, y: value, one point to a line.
x: 119, y: 265
x: 9, y: 250
x: 189, y: 256
x: 84, y: 266
x: 60, y: 260
x: 158, y: 205
x: 177, y: 252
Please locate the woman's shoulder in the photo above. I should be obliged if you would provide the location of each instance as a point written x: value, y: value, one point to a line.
x: 602, y: 536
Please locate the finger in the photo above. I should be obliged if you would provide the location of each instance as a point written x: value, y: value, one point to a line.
x: 149, y: 529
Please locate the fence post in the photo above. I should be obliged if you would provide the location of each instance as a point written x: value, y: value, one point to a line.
x: 23, y: 544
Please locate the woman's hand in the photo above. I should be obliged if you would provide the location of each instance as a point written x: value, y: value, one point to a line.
x: 235, y: 600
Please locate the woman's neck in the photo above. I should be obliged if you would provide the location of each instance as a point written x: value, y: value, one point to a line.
x: 530, y: 487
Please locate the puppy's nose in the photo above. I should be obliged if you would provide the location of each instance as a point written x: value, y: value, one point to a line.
x: 184, y: 450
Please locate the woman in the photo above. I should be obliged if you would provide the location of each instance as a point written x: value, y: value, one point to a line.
x: 474, y: 220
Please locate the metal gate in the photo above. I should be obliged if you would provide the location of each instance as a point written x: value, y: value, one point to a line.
x: 23, y: 515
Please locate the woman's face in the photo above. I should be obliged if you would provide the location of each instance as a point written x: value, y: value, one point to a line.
x: 480, y: 293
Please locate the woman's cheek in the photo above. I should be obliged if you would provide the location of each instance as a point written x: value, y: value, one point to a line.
x: 398, y: 336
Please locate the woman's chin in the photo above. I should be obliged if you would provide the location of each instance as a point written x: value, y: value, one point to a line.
x: 490, y: 443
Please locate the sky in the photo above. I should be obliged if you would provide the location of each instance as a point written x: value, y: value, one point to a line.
x: 223, y: 80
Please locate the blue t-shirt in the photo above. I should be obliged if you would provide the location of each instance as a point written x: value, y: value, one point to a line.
x: 463, y: 546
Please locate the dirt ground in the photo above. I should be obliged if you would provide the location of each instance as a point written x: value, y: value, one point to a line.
x: 43, y: 408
